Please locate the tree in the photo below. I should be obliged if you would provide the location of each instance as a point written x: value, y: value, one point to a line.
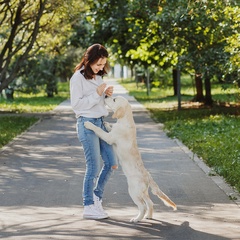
x: 108, y: 25
x: 20, y: 25
x: 31, y: 30
x: 192, y: 34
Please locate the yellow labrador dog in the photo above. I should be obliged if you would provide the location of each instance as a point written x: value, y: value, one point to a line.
x: 122, y: 135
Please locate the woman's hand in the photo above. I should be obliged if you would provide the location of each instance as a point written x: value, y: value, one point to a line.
x: 101, y: 88
x: 109, y: 91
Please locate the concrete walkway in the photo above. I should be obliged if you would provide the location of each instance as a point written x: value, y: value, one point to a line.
x: 41, y: 182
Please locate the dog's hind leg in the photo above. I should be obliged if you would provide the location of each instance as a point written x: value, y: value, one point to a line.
x: 139, y: 201
x: 142, y: 210
x: 149, y: 205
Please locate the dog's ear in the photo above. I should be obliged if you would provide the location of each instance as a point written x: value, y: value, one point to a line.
x: 119, y: 113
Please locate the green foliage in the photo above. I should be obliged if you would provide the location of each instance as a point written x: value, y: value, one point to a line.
x: 50, y: 36
x: 198, y: 33
x: 45, y: 72
x: 233, y: 46
x: 34, y: 42
x: 201, y: 37
x: 11, y: 126
x: 37, y: 74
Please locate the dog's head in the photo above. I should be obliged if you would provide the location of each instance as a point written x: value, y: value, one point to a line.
x: 119, y: 105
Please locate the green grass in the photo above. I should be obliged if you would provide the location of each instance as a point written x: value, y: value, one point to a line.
x: 214, y: 138
x: 11, y: 126
x: 211, y: 133
x: 29, y: 103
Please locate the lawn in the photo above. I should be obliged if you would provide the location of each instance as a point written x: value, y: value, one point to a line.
x: 12, y: 125
x: 29, y: 103
x: 213, y: 133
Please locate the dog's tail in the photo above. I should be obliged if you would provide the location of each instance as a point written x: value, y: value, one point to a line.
x: 156, y: 191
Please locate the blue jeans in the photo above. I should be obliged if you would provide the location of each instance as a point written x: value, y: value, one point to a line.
x: 95, y: 149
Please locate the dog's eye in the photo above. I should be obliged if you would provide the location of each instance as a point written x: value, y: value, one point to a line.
x: 114, y: 99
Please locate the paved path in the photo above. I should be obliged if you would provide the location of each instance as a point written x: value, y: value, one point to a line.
x: 41, y: 181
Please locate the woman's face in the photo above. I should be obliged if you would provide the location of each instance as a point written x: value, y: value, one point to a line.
x: 99, y: 65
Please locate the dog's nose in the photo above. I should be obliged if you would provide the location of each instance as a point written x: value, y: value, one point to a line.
x: 106, y: 96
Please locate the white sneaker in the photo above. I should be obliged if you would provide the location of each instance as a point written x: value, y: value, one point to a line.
x: 98, y: 204
x: 92, y: 212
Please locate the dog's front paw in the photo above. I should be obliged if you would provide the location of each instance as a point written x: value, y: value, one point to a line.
x: 107, y: 125
x: 89, y: 125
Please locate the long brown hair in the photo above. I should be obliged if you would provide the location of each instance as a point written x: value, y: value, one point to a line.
x: 91, y: 56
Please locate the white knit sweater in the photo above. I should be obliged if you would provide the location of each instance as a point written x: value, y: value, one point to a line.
x: 85, y: 100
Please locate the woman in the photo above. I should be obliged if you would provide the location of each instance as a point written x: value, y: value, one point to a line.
x: 88, y: 91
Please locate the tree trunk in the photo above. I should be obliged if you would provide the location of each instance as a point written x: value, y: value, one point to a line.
x: 199, y: 88
x: 208, y: 95
x: 174, y: 75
